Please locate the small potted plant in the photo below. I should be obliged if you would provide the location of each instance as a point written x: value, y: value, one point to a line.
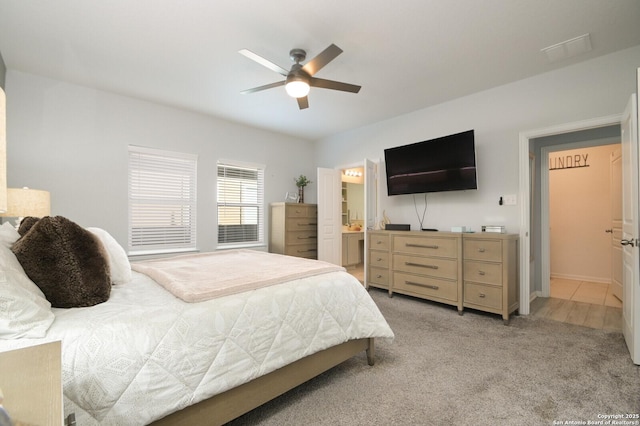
x: 301, y: 182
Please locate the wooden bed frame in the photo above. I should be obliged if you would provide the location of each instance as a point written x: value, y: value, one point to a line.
x: 235, y: 402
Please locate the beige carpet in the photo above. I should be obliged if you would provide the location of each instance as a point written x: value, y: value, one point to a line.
x: 446, y: 369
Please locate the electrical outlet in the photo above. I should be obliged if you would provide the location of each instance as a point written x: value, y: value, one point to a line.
x: 510, y: 200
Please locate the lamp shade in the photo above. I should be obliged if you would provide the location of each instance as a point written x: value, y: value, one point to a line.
x: 23, y: 202
x: 3, y: 151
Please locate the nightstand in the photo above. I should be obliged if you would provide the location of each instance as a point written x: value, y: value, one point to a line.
x: 31, y: 381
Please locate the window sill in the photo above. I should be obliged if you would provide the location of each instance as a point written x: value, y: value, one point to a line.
x: 240, y: 246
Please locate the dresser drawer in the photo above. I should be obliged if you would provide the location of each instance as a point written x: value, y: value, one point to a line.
x: 483, y: 250
x: 302, y: 224
x: 483, y: 295
x: 379, y: 276
x: 302, y: 250
x: 378, y: 242
x: 432, y: 266
x: 425, y: 286
x: 482, y: 272
x: 426, y: 246
x: 379, y: 259
x: 301, y: 237
x: 301, y: 211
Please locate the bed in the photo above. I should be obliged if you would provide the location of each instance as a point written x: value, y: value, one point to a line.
x: 146, y: 356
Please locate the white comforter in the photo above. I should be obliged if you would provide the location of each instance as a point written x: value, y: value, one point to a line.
x: 144, y: 353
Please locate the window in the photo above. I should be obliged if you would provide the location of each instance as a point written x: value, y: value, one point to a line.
x: 162, y: 201
x: 240, y: 204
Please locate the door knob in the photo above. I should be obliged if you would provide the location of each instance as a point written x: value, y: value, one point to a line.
x: 631, y: 243
x: 609, y: 231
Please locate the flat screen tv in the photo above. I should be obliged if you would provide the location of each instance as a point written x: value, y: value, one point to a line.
x: 447, y: 163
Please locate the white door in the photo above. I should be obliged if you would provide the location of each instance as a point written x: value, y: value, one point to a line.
x: 329, y: 215
x: 371, y: 206
x: 615, y: 185
x: 370, y: 194
x: 630, y: 256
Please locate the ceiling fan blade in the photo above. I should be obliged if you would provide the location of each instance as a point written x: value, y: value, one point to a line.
x: 303, y: 103
x: 334, y: 85
x: 326, y: 56
x: 264, y: 62
x: 265, y: 87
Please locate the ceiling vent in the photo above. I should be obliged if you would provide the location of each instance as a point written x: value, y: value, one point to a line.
x: 569, y: 48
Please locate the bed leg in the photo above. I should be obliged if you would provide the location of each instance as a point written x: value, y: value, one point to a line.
x: 371, y: 355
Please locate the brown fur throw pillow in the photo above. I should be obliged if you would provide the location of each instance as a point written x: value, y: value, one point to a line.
x: 66, y: 261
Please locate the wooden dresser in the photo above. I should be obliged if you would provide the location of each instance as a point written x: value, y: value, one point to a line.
x: 491, y: 273
x: 378, y: 259
x: 421, y: 264
x: 294, y: 229
x: 477, y: 271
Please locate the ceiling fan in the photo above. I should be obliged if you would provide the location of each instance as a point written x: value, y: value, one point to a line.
x: 301, y: 77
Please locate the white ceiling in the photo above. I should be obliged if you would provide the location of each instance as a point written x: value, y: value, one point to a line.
x: 406, y: 54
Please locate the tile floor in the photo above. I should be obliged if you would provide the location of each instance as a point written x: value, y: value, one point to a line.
x: 582, y: 303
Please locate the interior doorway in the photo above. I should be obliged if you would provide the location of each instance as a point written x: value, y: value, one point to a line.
x: 532, y: 237
x: 353, y: 221
x: 551, y: 147
x: 582, y: 191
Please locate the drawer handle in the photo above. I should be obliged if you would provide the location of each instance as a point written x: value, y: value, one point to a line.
x: 378, y: 276
x: 421, y: 265
x: 421, y: 246
x: 307, y: 238
x: 379, y: 259
x: 482, y: 295
x: 379, y: 242
x: 481, y: 250
x: 481, y: 272
x: 432, y: 287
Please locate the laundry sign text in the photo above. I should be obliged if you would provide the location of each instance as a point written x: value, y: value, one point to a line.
x: 572, y: 161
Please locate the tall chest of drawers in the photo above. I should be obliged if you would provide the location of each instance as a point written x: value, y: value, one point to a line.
x: 294, y: 229
x: 491, y: 273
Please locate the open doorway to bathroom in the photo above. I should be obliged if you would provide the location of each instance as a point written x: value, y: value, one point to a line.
x: 353, y: 209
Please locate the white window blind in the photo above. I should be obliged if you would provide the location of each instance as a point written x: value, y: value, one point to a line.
x: 162, y: 201
x: 240, y: 204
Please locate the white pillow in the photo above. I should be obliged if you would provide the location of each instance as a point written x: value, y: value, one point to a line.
x: 24, y: 311
x: 8, y: 234
x: 117, y: 257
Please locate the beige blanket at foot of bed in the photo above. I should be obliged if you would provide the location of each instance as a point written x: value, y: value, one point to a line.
x: 198, y: 277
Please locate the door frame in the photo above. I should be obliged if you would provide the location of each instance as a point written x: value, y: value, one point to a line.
x: 525, y: 204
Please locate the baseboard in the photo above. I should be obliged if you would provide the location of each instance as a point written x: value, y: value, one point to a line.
x: 534, y: 295
x: 581, y: 278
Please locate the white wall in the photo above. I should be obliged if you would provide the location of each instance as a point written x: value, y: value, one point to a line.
x: 72, y: 141
x: 596, y: 88
x: 579, y: 214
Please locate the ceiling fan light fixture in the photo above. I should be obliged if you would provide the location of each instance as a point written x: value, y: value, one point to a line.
x: 297, y: 88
